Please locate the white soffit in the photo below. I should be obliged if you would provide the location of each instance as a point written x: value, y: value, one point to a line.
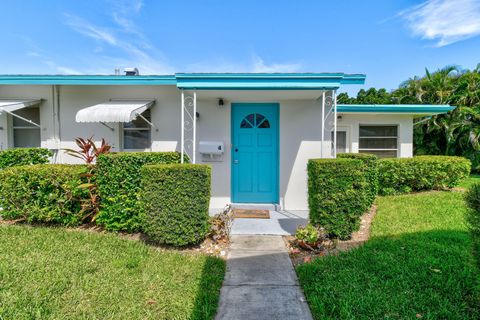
x: 114, y: 111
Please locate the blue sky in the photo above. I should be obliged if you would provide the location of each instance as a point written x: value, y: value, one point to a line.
x: 390, y: 41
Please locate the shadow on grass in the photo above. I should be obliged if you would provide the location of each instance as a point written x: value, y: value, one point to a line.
x: 429, y: 274
x: 208, y: 293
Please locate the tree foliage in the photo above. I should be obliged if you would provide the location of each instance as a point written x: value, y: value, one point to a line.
x: 456, y: 133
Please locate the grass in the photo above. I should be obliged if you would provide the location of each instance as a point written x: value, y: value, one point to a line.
x: 53, y: 273
x: 474, y: 178
x: 418, y: 263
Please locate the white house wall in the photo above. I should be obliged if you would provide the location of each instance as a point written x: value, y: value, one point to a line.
x: 165, y: 115
x: 213, y: 124
x: 300, y: 128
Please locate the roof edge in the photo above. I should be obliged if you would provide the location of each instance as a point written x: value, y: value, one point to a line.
x: 185, y: 80
x: 415, y: 109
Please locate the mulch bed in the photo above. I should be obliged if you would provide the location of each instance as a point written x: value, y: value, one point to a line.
x: 331, y: 246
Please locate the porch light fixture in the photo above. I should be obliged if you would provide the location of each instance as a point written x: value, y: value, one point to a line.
x: 221, y: 103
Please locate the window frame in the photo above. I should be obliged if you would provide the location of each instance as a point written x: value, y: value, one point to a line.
x: 396, y: 137
x: 12, y: 127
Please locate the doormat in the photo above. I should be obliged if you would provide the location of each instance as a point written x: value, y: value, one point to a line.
x: 252, y: 214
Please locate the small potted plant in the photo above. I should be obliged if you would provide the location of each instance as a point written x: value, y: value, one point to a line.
x: 308, y: 237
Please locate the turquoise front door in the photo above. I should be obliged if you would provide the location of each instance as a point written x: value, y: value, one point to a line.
x: 255, y: 128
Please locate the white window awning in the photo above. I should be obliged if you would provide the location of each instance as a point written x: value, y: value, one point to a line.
x: 9, y: 106
x: 114, y: 111
x: 13, y: 105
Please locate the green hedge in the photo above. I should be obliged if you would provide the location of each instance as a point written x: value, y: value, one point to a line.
x: 42, y: 193
x: 338, y: 194
x: 371, y: 163
x: 175, y: 199
x: 400, y: 175
x: 118, y: 180
x: 23, y: 156
x: 473, y: 217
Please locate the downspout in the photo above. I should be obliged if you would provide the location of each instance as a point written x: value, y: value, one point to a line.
x: 323, y: 123
x: 334, y: 93
x: 56, y: 121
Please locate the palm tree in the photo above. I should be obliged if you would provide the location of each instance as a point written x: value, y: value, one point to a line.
x: 454, y: 133
x: 467, y: 91
x: 438, y: 85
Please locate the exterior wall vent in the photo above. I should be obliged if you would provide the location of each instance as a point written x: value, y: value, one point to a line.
x: 131, y: 72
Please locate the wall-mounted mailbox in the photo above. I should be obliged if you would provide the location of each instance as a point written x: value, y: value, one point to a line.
x: 211, y: 150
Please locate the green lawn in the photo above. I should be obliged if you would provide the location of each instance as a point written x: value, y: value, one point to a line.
x: 53, y: 273
x: 418, y: 263
x: 474, y: 178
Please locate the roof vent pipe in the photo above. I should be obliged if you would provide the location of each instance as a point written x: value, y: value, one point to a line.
x: 131, y: 72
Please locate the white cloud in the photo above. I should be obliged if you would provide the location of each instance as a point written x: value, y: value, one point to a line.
x: 67, y: 70
x: 134, y: 48
x: 260, y: 66
x: 33, y: 54
x: 89, y: 30
x: 123, y: 44
x: 126, y: 7
x: 445, y: 21
x: 58, y: 68
x: 256, y: 64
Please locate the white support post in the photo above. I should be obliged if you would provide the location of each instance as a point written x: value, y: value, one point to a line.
x: 194, y: 124
x: 20, y: 117
x: 334, y: 93
x: 182, y: 139
x: 323, y: 123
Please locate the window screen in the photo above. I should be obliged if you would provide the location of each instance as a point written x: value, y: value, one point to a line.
x: 25, y: 134
x: 379, y: 140
x: 137, y: 133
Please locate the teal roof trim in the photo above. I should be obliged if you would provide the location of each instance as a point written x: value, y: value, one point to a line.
x: 416, y: 109
x: 86, y: 80
x: 265, y: 81
x: 201, y: 81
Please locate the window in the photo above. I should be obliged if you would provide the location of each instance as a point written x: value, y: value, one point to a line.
x: 255, y: 120
x: 341, y: 141
x: 25, y: 134
x: 379, y: 140
x: 137, y: 133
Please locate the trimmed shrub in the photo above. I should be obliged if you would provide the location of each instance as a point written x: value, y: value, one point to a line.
x: 338, y: 194
x: 400, y: 175
x: 370, y: 161
x: 23, y: 156
x: 118, y: 180
x: 47, y: 193
x: 473, y: 217
x: 175, y: 198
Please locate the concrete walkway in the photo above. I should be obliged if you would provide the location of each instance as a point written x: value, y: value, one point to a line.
x: 260, y: 282
x: 281, y: 223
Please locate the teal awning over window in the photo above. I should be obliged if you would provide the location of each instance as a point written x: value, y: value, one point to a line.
x: 415, y: 109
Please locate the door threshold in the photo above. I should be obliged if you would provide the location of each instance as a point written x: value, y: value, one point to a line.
x: 257, y: 206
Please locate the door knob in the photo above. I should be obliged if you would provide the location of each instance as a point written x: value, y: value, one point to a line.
x: 236, y: 149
